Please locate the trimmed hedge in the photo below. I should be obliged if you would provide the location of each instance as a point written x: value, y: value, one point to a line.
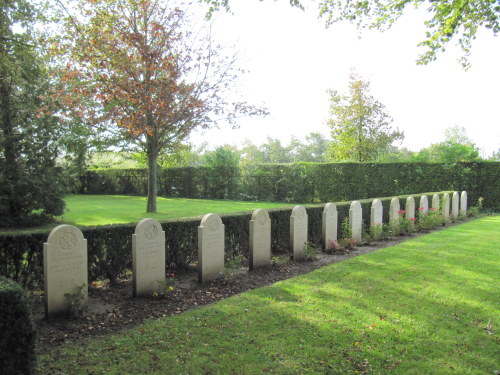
x: 110, y: 246
x: 308, y: 182
x: 18, y: 334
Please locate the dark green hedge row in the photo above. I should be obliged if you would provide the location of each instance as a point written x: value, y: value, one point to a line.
x: 110, y: 247
x: 18, y: 334
x: 308, y: 182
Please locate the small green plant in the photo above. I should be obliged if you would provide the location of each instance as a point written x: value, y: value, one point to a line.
x: 165, y: 287
x: 346, y: 228
x: 310, y: 251
x: 406, y: 225
x: 234, y: 263
x: 347, y: 241
x: 375, y: 233
x: 77, y: 302
x: 277, y: 261
x: 474, y: 211
x: 430, y: 220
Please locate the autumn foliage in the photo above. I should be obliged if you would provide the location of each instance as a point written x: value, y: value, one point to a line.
x: 140, y: 68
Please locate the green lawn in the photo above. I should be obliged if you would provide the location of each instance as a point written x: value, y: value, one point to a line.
x: 429, y: 305
x: 115, y: 209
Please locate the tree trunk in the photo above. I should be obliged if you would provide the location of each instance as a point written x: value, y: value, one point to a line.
x: 11, y: 171
x: 152, y: 179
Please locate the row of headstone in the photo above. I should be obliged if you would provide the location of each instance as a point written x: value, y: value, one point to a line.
x: 436, y: 204
x: 65, y: 253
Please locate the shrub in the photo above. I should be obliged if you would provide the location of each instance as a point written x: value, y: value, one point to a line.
x: 307, y: 182
x: 17, y: 341
x: 430, y: 220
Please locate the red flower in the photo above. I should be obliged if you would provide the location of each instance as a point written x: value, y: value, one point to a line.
x: 432, y: 208
x: 421, y: 208
x: 401, y: 212
x: 172, y: 274
x: 413, y: 219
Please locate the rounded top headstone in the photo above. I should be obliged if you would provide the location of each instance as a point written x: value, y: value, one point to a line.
x: 377, y: 203
x: 424, y: 201
x: 260, y: 216
x: 394, y: 202
x: 330, y: 209
x: 435, y: 201
x: 65, y: 239
x: 299, y: 212
x: 211, y: 221
x: 355, y: 205
x: 149, y: 228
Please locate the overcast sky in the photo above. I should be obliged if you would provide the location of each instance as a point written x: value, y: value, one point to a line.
x: 293, y: 60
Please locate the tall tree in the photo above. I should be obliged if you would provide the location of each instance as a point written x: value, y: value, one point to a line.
x: 223, y: 169
x: 136, y: 65
x: 30, y: 184
x: 315, y: 149
x: 448, y: 19
x: 360, y: 126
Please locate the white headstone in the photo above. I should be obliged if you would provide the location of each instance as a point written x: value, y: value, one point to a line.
x: 463, y: 203
x: 435, y: 202
x: 329, y: 224
x: 446, y: 207
x: 260, y: 239
x: 377, y: 212
x: 356, y: 220
x: 410, y: 208
x: 298, y: 231
x: 454, y: 205
x: 148, y: 257
x: 65, y: 269
x: 394, y: 209
x: 210, y: 248
x: 424, y: 204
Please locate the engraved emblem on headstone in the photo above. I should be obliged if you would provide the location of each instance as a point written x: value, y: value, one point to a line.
x: 213, y: 225
x: 301, y: 215
x: 262, y: 218
x: 151, y: 232
x: 67, y: 241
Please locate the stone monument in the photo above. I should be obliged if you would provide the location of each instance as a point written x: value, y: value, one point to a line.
x: 260, y: 239
x: 410, y: 208
x: 148, y: 258
x: 65, y: 270
x: 210, y: 248
x: 329, y: 224
x: 298, y: 231
x: 463, y: 203
x: 356, y: 220
x: 446, y: 207
x: 424, y: 204
x: 454, y: 206
x: 394, y: 209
